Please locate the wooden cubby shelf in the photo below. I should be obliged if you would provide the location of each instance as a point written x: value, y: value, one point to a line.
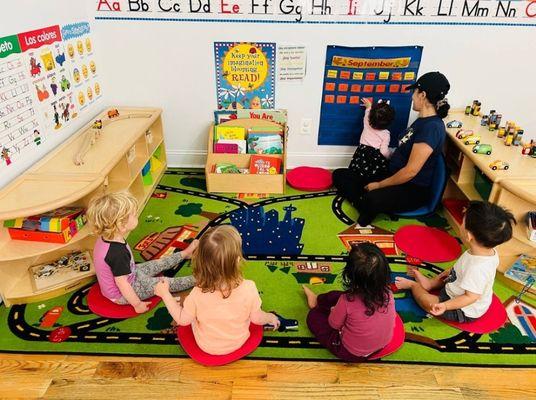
x: 56, y: 181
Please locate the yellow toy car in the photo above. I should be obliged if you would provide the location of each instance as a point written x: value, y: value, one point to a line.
x: 498, y: 164
x: 474, y: 139
x: 463, y: 133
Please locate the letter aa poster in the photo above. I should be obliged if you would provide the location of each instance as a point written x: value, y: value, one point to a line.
x: 245, y: 75
x: 375, y: 73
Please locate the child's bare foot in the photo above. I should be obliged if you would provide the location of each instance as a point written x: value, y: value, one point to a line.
x: 187, y: 252
x: 422, y: 280
x: 403, y: 283
x: 311, y: 297
x: 411, y: 270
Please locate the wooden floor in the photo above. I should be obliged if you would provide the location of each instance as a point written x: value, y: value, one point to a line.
x: 107, y: 377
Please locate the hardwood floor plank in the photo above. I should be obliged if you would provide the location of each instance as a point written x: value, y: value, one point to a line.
x: 47, y: 367
x: 163, y: 370
x: 382, y: 375
x: 241, y: 370
x: 96, y: 389
x: 296, y: 391
x: 304, y: 372
x: 29, y: 386
x: 406, y: 392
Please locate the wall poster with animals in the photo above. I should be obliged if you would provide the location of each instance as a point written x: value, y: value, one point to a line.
x: 245, y: 75
x: 37, y: 92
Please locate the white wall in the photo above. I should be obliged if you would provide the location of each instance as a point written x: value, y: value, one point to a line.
x: 171, y: 64
x: 18, y: 16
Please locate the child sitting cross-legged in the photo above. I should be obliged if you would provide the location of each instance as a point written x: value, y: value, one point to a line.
x: 222, y: 304
x: 356, y: 323
x: 122, y: 281
x: 466, y: 288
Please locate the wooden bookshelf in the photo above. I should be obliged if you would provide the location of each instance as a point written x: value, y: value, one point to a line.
x: 56, y: 181
x: 244, y: 183
x: 514, y: 189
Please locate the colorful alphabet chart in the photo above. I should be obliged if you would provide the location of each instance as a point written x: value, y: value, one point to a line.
x: 245, y: 75
x: 375, y: 73
x: 19, y: 124
x: 51, y: 80
x: 38, y: 94
x: 82, y: 65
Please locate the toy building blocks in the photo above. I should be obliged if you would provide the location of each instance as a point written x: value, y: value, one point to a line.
x: 498, y: 164
x: 454, y: 124
x: 482, y: 148
x: 473, y: 139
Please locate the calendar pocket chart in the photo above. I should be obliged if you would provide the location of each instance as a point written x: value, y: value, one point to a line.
x: 356, y: 73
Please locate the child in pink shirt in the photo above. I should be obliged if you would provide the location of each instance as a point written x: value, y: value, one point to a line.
x: 222, y: 304
x: 358, y: 322
x: 370, y: 157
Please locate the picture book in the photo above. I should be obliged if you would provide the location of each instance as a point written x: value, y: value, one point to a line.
x: 266, y: 128
x: 239, y: 144
x: 265, y: 143
x: 264, y: 165
x: 523, y: 270
x: 70, y: 267
x: 226, y: 148
x: 229, y: 132
x: 224, y: 116
x: 278, y: 116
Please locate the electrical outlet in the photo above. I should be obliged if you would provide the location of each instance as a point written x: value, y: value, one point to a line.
x: 306, y: 126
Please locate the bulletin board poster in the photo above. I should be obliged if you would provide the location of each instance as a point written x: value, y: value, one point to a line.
x: 20, y: 129
x: 245, y: 75
x: 50, y: 78
x: 81, y: 63
x: 376, y: 73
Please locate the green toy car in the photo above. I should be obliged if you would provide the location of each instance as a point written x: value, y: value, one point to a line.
x: 482, y: 148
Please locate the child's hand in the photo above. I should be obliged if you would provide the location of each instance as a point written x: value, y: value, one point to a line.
x: 187, y: 252
x: 274, y: 321
x: 366, y: 102
x: 161, y: 289
x: 142, y: 307
x: 438, y: 309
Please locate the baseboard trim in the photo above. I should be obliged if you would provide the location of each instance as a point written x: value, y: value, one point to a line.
x: 197, y: 159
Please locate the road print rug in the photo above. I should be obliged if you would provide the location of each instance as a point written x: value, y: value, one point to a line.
x: 289, y: 240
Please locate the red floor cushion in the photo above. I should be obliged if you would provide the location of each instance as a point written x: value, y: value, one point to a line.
x: 188, y: 343
x: 104, y: 307
x: 427, y: 244
x: 491, y: 321
x: 309, y: 179
x: 399, y: 335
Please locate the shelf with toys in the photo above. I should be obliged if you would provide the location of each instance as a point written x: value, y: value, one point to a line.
x: 473, y: 177
x: 247, y: 181
x: 121, y: 150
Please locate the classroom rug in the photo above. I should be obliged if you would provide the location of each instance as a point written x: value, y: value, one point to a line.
x: 289, y: 240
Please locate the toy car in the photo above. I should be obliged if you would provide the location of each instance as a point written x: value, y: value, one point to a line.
x: 97, y: 124
x: 462, y: 133
x: 498, y: 164
x: 473, y: 139
x: 454, y: 124
x: 482, y: 148
x: 113, y: 113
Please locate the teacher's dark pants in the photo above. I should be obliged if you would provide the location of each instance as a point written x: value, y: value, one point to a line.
x: 391, y: 199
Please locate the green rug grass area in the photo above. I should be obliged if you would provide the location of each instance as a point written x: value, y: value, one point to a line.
x: 279, y: 282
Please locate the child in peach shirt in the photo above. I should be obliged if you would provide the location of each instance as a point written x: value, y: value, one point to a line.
x: 222, y: 305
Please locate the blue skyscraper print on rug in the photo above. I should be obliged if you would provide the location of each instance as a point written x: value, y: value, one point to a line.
x: 263, y: 234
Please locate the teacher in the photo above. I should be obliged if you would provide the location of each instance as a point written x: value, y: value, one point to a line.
x: 406, y: 187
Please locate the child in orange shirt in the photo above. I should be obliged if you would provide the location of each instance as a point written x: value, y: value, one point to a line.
x: 222, y: 304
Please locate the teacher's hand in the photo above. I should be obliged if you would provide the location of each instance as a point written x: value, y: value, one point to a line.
x: 372, y: 186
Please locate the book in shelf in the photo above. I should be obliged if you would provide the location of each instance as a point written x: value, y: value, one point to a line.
x: 523, y: 271
x: 266, y: 165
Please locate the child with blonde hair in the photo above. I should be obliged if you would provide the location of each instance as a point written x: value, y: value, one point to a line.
x: 122, y: 281
x: 222, y: 304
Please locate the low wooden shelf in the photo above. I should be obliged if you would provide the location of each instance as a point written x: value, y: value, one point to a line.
x: 56, y: 181
x: 514, y: 189
x: 244, y: 183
